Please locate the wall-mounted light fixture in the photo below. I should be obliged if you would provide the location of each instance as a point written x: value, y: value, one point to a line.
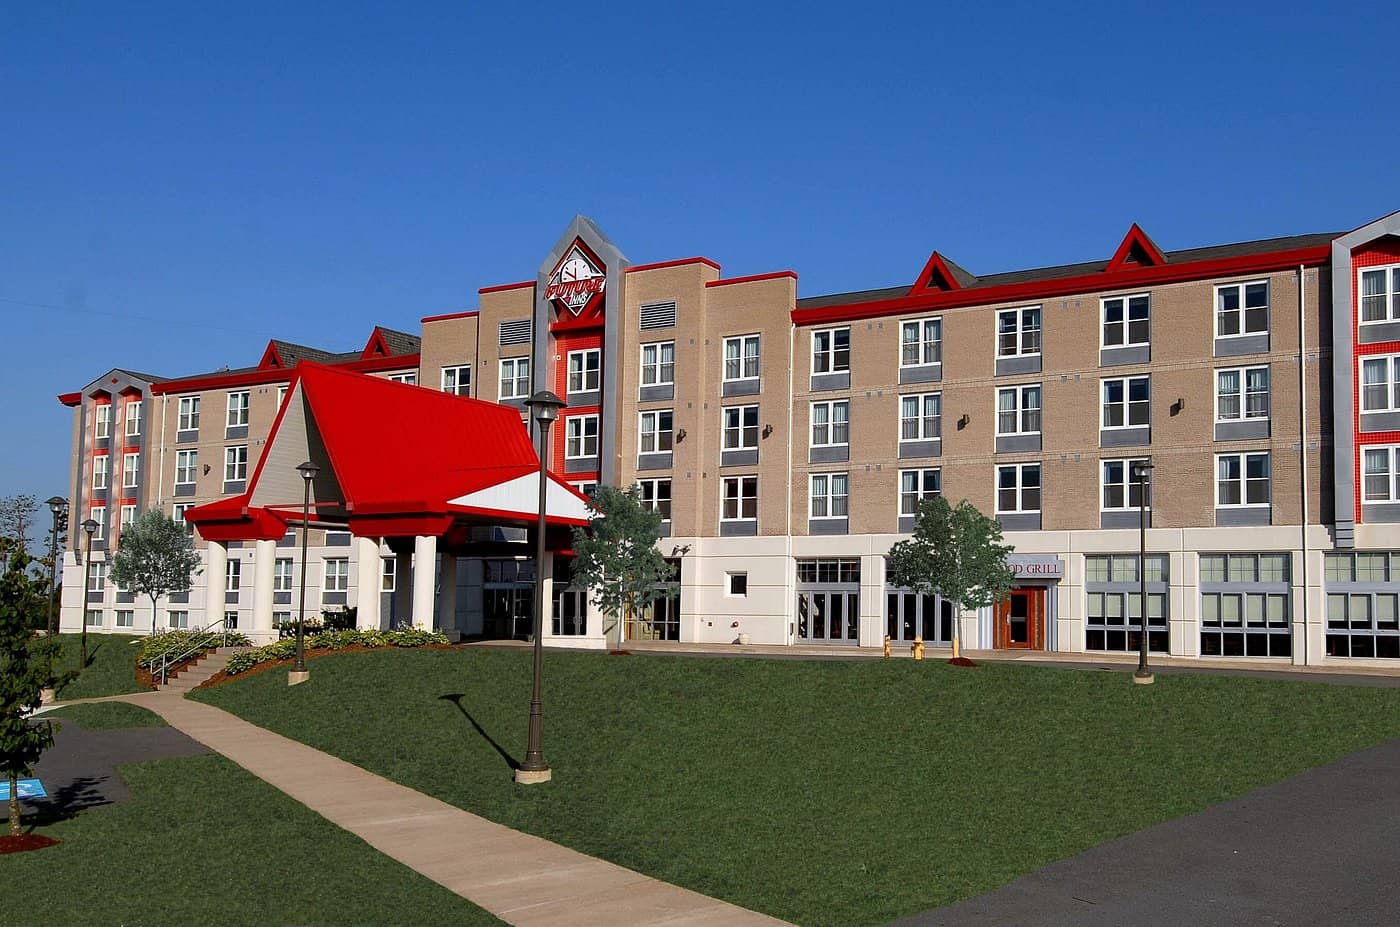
x: 680, y: 436
x: 1178, y: 406
x: 963, y: 422
x: 206, y: 469
x: 767, y: 430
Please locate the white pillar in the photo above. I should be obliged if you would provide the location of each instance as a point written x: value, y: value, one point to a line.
x: 215, y: 585
x: 403, y: 588
x: 367, y: 582
x: 447, y: 596
x: 424, y: 578
x: 547, y: 593
x: 264, y: 560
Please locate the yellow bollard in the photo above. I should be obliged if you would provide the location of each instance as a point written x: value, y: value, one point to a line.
x: 918, y: 648
x: 887, y: 646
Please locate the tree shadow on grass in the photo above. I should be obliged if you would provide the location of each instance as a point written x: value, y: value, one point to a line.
x: 456, y: 699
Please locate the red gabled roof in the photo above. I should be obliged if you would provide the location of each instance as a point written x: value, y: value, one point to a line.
x: 1136, y: 249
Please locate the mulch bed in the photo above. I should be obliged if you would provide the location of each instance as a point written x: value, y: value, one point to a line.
x: 222, y: 676
x: 25, y: 842
x: 961, y: 661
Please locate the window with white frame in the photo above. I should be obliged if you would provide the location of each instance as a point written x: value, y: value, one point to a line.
x: 1242, y: 479
x: 1018, y: 332
x: 1018, y: 410
x: 281, y: 619
x: 656, y: 497
x: 178, y: 619
x: 336, y: 576
x: 281, y: 395
x: 739, y: 498
x: 740, y: 428
x: 1113, y: 589
x: 128, y: 515
x: 1380, y: 474
x: 921, y: 417
x: 920, y: 342
x: 585, y: 370
x: 659, y: 363
x: 186, y: 467
x: 829, y: 495
x: 1245, y: 605
x: 831, y: 350
x: 457, y: 380
x: 388, y: 574
x: 1127, y: 321
x: 654, y: 432
x: 586, y: 488
x: 231, y: 620
x: 131, y: 470
x: 515, y: 378
x: 1242, y: 309
x: 238, y: 409
x: 581, y: 436
x: 99, y: 515
x: 177, y: 514
x: 1018, y: 488
x: 233, y: 575
x: 102, y: 425
x: 741, y: 357
x: 1380, y: 383
x: 133, y: 417
x: 99, y: 471
x: 1363, y: 604
x: 915, y: 486
x: 1242, y: 394
x: 235, y: 463
x: 1380, y: 294
x: 282, y: 574
x: 94, y: 618
x: 97, y: 576
x: 409, y: 377
x: 1127, y: 402
x: 189, y: 413
x: 126, y: 618
x: 736, y: 583
x: 831, y: 423
x: 1121, y: 489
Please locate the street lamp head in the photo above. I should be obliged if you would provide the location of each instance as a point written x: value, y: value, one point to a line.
x: 58, y: 505
x: 90, y: 526
x: 1143, y: 470
x: 545, y: 406
x: 308, y: 471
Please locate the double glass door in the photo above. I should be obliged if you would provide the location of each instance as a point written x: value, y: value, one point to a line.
x: 909, y: 615
x: 828, y: 617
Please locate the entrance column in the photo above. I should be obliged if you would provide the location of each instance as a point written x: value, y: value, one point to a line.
x: 215, y: 583
x: 424, y: 579
x: 447, y: 597
x: 403, y: 588
x: 367, y: 583
x: 264, y: 561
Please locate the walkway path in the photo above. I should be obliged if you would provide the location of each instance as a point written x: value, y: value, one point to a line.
x: 521, y: 879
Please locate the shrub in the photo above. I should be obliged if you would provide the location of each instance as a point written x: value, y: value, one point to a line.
x: 333, y: 640
x: 169, y: 642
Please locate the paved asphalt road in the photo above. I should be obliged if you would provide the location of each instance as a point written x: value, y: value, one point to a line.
x: 1320, y: 848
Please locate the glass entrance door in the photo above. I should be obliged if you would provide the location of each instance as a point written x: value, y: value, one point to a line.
x: 909, y: 615
x: 1020, y: 620
x: 828, y: 617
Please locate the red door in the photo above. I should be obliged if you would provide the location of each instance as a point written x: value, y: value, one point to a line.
x: 1020, y: 620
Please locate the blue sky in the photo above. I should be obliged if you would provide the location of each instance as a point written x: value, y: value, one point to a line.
x: 178, y: 183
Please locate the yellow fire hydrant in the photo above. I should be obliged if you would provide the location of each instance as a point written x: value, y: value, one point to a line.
x: 887, y: 646
x: 918, y: 648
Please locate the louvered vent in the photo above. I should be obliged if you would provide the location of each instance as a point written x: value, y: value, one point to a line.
x: 516, y: 331
x: 659, y: 315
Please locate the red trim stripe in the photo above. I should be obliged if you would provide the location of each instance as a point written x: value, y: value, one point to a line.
x: 506, y: 286
x: 450, y: 316
x: 776, y: 275
x: 259, y: 377
x: 638, y: 268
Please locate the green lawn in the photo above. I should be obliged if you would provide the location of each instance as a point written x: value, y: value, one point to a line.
x: 111, y: 665
x: 101, y: 715
x: 839, y: 793
x: 201, y: 841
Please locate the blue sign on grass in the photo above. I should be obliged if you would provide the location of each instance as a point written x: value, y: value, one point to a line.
x: 28, y: 788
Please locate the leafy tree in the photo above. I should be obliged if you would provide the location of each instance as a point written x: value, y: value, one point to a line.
x: 17, y: 519
x: 25, y: 671
x: 956, y: 553
x: 617, y: 557
x: 156, y: 558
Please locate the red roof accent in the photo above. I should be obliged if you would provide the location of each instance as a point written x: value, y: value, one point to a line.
x: 71, y: 399
x: 506, y: 286
x: 233, y: 520
x: 778, y: 274
x: 638, y: 268
x: 935, y: 274
x: 375, y: 346
x: 271, y: 358
x: 449, y: 316
x: 1136, y: 250
x: 274, y: 375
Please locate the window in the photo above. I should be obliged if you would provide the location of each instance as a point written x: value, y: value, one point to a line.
x: 128, y: 515
x: 831, y: 350
x: 1245, y: 605
x: 586, y: 488
x: 655, y: 432
x: 739, y: 498
x: 1018, y: 410
x: 237, y: 409
x: 1380, y: 474
x: 282, y: 395
x: 581, y: 436
x: 1018, y: 488
x: 828, y: 571
x: 1126, y: 402
x: 1113, y: 620
x: 97, y: 577
x: 741, y: 357
x: 831, y: 423
x: 177, y: 514
x: 457, y: 380
x: 388, y: 574
x: 829, y: 495
x: 186, y: 466
x: 231, y: 621
x: 736, y: 584
x: 410, y: 377
x: 102, y: 427
x: 585, y: 371
x: 133, y: 417
x: 1242, y: 309
x: 659, y: 364
x: 178, y: 620
x: 126, y: 618
x: 1121, y: 489
x: 921, y: 417
x: 131, y: 470
x: 1018, y: 332
x: 1242, y: 479
x: 1126, y: 321
x: 921, y: 342
x: 336, y: 577
x: 99, y: 471
x: 515, y: 378
x: 1380, y: 294
x: 99, y: 515
x: 281, y: 574
x: 740, y: 428
x: 233, y: 574
x: 235, y: 463
x: 1380, y: 383
x: 281, y: 619
x: 1242, y: 394
x: 656, y: 497
x: 1363, y: 607
x: 94, y: 618
x: 189, y: 413
x: 915, y: 486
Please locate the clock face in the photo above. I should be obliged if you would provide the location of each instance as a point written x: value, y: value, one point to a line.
x: 576, y: 268
x: 576, y: 283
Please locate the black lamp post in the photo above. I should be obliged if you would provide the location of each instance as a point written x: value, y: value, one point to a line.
x: 1142, y: 472
x: 89, y: 528
x: 308, y: 473
x: 545, y: 407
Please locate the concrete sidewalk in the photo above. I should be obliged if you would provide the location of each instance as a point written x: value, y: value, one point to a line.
x: 521, y: 879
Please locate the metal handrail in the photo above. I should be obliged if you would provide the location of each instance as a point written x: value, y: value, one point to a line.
x: 197, y: 643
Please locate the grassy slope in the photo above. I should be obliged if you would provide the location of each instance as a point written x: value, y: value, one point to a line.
x: 100, y: 715
x: 203, y: 842
x: 824, y: 793
x: 110, y: 669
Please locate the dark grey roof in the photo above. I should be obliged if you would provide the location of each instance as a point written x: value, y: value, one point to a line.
x: 291, y: 353
x: 401, y: 342
x: 148, y: 377
x: 1213, y: 252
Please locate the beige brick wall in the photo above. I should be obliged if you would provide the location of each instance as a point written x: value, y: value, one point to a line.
x: 450, y: 343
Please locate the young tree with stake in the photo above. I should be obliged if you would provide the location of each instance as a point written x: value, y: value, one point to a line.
x: 156, y: 557
x: 617, y: 559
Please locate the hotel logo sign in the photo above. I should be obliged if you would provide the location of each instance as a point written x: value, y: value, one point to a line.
x: 577, y: 281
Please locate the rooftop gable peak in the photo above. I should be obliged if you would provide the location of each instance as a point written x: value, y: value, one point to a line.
x: 1136, y: 250
x: 939, y: 273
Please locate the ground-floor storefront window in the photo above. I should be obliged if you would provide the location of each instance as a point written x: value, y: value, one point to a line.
x: 1246, y: 605
x: 1113, y: 615
x: 661, y: 619
x: 828, y: 601
x: 570, y: 602
x: 508, y: 599
x: 1363, y: 614
x: 909, y: 615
